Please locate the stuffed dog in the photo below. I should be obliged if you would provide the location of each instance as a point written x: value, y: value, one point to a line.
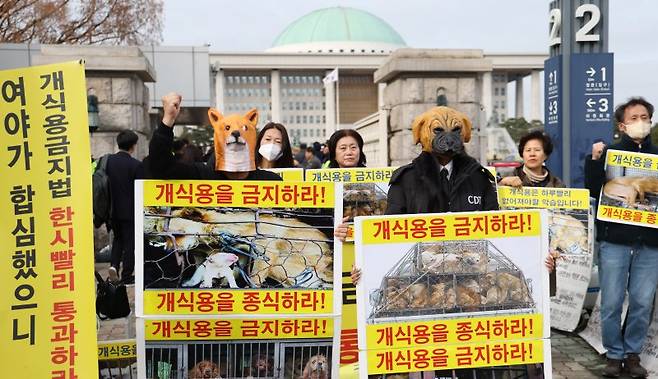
x: 235, y: 140
x: 443, y: 131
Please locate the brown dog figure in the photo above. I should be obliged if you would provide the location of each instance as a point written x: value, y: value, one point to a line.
x: 235, y: 140
x: 443, y: 178
x: 630, y: 189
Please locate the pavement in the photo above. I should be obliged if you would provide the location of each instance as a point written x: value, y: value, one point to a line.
x: 572, y: 357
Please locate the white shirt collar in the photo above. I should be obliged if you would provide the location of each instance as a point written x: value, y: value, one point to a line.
x: 448, y: 167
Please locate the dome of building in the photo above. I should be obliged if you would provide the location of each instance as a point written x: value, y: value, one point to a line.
x: 338, y: 30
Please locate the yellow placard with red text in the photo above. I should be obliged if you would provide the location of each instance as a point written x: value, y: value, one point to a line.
x: 627, y: 216
x: 452, y: 331
x: 349, y: 342
x: 628, y: 159
x: 455, y: 356
x: 543, y: 197
x: 351, y: 175
x: 49, y: 327
x: 451, y: 227
x: 237, y: 329
x: 259, y: 302
x: 248, y: 194
x: 119, y: 349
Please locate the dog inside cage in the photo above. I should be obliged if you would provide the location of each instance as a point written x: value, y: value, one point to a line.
x: 307, y: 361
x: 240, y: 360
x: 363, y: 199
x: 237, y: 248
x: 451, y: 277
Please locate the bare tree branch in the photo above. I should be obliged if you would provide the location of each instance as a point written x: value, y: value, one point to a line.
x: 129, y: 22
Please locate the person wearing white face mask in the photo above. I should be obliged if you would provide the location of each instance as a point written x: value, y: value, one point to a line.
x: 628, y: 254
x: 273, y: 147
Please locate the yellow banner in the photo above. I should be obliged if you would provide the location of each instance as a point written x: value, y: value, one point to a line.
x: 349, y: 348
x: 243, y: 329
x: 542, y: 197
x: 451, y: 226
x: 632, y: 160
x: 627, y: 216
x: 289, y: 174
x: 49, y: 327
x: 351, y: 175
x: 226, y: 302
x: 250, y: 194
x: 110, y: 350
x: 460, y: 330
x: 444, y: 357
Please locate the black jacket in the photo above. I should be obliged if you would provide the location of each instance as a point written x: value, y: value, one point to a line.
x: 414, y: 187
x: 595, y: 179
x: 163, y: 165
x: 122, y: 170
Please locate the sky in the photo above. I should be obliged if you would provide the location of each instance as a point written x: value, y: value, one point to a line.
x: 493, y: 26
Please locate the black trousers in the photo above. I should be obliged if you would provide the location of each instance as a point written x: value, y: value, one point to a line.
x: 123, y: 247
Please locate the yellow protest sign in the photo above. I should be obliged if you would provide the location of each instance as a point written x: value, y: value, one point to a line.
x: 46, y: 223
x: 543, y: 197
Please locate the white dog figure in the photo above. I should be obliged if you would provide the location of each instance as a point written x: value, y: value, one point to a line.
x: 217, y: 265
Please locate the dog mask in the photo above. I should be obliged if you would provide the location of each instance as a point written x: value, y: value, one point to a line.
x: 442, y: 131
x: 235, y: 140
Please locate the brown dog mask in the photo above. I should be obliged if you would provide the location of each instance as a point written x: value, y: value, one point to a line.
x: 442, y: 130
x: 235, y: 140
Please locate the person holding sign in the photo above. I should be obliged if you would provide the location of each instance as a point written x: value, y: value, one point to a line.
x: 443, y: 178
x: 273, y: 147
x: 534, y: 147
x: 628, y: 254
x: 234, y: 140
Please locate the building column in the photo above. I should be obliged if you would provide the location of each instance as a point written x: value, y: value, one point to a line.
x: 382, y: 126
x: 519, y: 97
x: 535, y: 96
x: 275, y: 88
x: 330, y: 106
x: 487, y: 95
x: 219, y: 90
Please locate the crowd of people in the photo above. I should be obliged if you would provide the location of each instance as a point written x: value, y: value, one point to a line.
x: 443, y: 178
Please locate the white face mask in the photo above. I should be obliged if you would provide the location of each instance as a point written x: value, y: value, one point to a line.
x: 638, y: 130
x: 270, y: 151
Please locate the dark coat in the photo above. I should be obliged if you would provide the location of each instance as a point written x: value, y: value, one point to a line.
x: 551, y: 180
x: 163, y: 164
x: 122, y: 170
x: 414, y: 187
x: 595, y: 179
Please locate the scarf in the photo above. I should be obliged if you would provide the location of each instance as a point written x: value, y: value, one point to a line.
x: 534, y: 178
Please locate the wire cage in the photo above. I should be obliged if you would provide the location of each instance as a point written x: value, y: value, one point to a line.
x: 237, y: 248
x: 122, y: 368
x: 451, y: 277
x: 363, y: 199
x: 266, y: 359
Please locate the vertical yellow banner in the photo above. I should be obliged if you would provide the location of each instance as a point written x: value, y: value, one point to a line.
x: 48, y: 319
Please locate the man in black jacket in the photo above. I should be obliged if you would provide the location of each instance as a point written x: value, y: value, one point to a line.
x: 163, y: 164
x: 443, y: 178
x: 122, y: 170
x: 628, y: 254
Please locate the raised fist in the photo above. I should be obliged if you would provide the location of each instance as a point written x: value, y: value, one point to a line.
x: 171, y: 107
x: 597, y: 150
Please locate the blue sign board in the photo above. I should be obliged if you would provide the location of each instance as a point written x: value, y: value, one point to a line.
x: 553, y: 110
x: 592, y: 107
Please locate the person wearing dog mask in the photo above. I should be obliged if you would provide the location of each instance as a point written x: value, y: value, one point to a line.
x: 273, y: 147
x: 234, y: 142
x: 443, y: 178
x: 628, y: 254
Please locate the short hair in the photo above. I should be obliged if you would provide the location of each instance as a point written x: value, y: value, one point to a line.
x: 285, y: 161
x: 538, y: 134
x: 333, y: 143
x: 126, y: 139
x: 310, y: 150
x: 633, y: 101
